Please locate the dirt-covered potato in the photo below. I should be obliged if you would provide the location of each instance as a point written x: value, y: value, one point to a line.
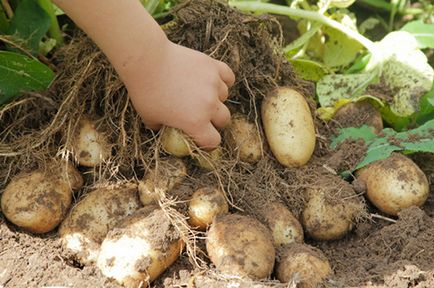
x: 205, y: 204
x: 240, y: 245
x: 244, y: 138
x: 305, y: 265
x: 37, y: 201
x: 329, y: 215
x: 208, y: 160
x: 71, y: 175
x: 88, y: 222
x: 140, y: 248
x: 90, y: 146
x: 394, y: 183
x: 357, y: 114
x: 165, y: 176
x: 285, y: 228
x: 288, y: 126
x: 175, y: 142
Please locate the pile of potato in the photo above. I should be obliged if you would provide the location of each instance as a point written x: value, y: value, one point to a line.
x: 123, y: 230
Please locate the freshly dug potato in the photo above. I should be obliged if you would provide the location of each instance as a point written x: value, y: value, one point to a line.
x: 70, y: 175
x: 357, y: 114
x: 288, y: 126
x: 140, y: 248
x: 205, y: 204
x: 305, y: 264
x: 284, y: 227
x: 88, y: 222
x: 394, y: 183
x: 175, y: 142
x: 330, y: 217
x: 90, y: 146
x: 37, y: 201
x: 240, y: 245
x: 243, y: 136
x: 209, y: 160
x: 167, y: 174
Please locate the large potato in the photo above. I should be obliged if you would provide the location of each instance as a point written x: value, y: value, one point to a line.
x: 88, y: 222
x: 303, y: 264
x: 140, y: 248
x: 38, y: 201
x: 240, y: 245
x: 90, y: 146
x: 288, y: 126
x: 165, y: 176
x: 205, y: 204
x: 175, y: 142
x: 394, y: 183
x: 284, y: 227
x: 244, y: 138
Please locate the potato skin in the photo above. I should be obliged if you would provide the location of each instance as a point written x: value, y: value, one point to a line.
x: 240, y: 245
x: 394, y: 183
x: 244, y: 138
x: 88, y: 222
x: 288, y: 126
x: 174, y: 142
x: 303, y: 262
x: 208, y: 160
x: 140, y: 248
x: 36, y: 201
x: 205, y: 204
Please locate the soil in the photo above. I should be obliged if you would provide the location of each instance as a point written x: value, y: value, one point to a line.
x: 379, y: 252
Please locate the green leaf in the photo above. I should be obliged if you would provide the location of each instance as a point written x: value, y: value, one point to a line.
x: 308, y: 70
x: 424, y: 33
x: 359, y: 64
x: 365, y: 133
x: 30, y: 23
x: 20, y: 73
x: 303, y: 39
x: 4, y: 23
x: 341, y: 3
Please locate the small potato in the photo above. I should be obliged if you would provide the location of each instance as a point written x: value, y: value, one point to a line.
x: 140, y: 248
x: 70, y: 175
x: 88, y: 222
x: 240, y: 245
x: 394, y: 183
x: 243, y: 136
x: 209, y: 160
x: 175, y: 142
x: 304, y: 264
x: 205, y: 204
x: 36, y: 201
x: 288, y: 126
x: 167, y: 174
x: 284, y: 227
x: 90, y: 146
x: 357, y: 114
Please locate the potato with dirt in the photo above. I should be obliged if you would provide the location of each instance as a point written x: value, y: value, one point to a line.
x: 39, y: 200
x: 302, y: 264
x: 89, y: 145
x: 140, y: 248
x: 394, y: 183
x: 175, y: 142
x: 88, y: 222
x: 208, y: 160
x: 206, y: 204
x: 166, y: 175
x: 240, y: 245
x: 244, y: 138
x: 288, y: 126
x: 357, y: 114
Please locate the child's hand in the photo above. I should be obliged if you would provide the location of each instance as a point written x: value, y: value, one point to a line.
x: 186, y: 90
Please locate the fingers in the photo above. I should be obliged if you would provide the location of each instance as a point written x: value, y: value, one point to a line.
x: 223, y: 92
x: 206, y: 137
x: 226, y: 74
x: 152, y: 125
x: 222, y: 116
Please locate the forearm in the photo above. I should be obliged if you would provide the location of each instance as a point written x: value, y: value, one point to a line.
x: 123, y: 30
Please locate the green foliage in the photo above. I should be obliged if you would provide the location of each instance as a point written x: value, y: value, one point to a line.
x: 308, y: 69
x: 424, y: 33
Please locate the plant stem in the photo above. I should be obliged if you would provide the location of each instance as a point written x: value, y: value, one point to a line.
x: 8, y: 9
x: 385, y: 6
x: 260, y: 7
x: 55, y: 31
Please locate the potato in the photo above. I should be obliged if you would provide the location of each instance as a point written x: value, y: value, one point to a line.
x: 304, y: 264
x: 284, y: 227
x: 71, y: 175
x: 240, y: 245
x: 209, y: 160
x: 243, y: 136
x: 88, y: 222
x: 174, y: 142
x: 328, y: 217
x: 167, y: 174
x: 205, y: 204
x: 288, y: 126
x: 357, y: 114
x: 394, y: 183
x: 140, y: 248
x: 90, y: 146
x: 37, y: 201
